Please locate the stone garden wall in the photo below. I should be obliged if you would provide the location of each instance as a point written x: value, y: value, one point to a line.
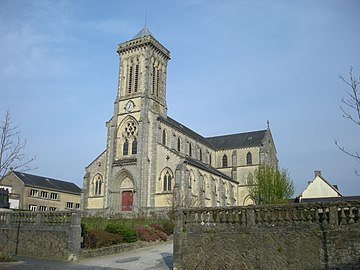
x: 40, y: 234
x: 295, y: 236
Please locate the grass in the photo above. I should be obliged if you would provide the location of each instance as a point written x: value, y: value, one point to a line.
x: 7, y: 259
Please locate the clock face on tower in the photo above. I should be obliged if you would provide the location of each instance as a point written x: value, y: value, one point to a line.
x: 129, y: 106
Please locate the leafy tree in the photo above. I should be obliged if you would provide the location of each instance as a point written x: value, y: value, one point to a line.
x: 271, y: 186
x: 351, y: 109
x: 12, y: 147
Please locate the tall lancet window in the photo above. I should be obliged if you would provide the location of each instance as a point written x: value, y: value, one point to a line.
x: 130, y: 75
x: 134, y: 146
x: 157, y: 82
x: 154, y: 80
x: 136, y: 83
x: 126, y: 147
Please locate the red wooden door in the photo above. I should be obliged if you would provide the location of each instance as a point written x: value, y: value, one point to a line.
x: 127, y: 201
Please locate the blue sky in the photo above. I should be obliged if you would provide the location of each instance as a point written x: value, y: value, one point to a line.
x: 235, y: 64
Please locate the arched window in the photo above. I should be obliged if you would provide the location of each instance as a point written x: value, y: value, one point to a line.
x: 200, y: 153
x: 190, y: 150
x: 97, y: 188
x: 179, y: 144
x: 126, y: 147
x: 210, y: 159
x: 224, y: 161
x: 167, y: 182
x: 134, y: 146
x: 248, y: 158
x: 164, y: 137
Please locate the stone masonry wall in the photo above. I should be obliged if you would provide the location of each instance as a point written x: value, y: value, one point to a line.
x: 51, y: 235
x: 296, y: 236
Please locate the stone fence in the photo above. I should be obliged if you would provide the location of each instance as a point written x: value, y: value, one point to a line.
x: 40, y: 234
x: 291, y: 236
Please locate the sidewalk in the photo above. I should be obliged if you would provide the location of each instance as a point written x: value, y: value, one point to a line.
x: 148, y: 258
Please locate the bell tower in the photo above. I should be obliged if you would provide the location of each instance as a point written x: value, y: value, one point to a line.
x: 142, y: 74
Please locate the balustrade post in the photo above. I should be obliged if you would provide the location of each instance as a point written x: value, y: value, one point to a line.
x: 250, y: 217
x: 333, y: 215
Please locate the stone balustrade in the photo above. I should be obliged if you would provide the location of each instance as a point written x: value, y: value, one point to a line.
x: 39, y: 218
x: 339, y: 213
x: 41, y: 234
x: 291, y: 236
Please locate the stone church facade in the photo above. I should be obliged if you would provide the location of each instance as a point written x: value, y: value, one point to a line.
x: 149, y: 155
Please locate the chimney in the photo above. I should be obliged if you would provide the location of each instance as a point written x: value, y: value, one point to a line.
x: 317, y: 173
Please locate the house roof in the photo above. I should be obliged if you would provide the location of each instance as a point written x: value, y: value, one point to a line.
x: 239, y: 140
x: 47, y: 183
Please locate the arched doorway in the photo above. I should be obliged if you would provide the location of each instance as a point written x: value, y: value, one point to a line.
x: 127, y: 201
x: 127, y: 194
x: 123, y: 195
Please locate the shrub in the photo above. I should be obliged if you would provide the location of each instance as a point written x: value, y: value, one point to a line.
x: 168, y: 226
x: 84, y: 229
x: 149, y: 233
x: 97, y: 239
x: 129, y: 235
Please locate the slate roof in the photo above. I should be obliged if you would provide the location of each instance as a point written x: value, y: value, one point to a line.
x: 239, y: 140
x: 233, y: 141
x: 206, y: 167
x: 143, y: 33
x: 187, y: 131
x: 47, y: 183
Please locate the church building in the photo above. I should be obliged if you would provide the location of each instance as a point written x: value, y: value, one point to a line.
x: 148, y: 154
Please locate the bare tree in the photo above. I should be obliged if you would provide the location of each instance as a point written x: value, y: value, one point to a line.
x: 351, y: 109
x: 12, y: 148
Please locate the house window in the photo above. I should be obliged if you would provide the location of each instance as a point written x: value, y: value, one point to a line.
x: 70, y: 205
x: 126, y: 147
x: 34, y: 193
x: 167, y: 182
x: 54, y: 196
x: 179, y: 144
x: 134, y: 146
x: 32, y: 207
x: 164, y: 137
x: 42, y: 208
x: 224, y: 161
x: 248, y: 158
x: 77, y: 206
x: 52, y: 209
x: 44, y: 194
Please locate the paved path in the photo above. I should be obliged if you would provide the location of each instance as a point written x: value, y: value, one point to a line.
x: 148, y: 258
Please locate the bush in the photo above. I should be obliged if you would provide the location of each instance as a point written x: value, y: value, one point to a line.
x: 84, y: 229
x: 148, y: 233
x: 168, y: 226
x: 129, y: 235
x: 97, y: 239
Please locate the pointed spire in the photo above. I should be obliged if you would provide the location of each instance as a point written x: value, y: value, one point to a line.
x: 143, y: 33
x: 268, y: 124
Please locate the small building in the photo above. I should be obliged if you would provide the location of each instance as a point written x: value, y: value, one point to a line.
x: 38, y: 193
x: 318, y: 189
